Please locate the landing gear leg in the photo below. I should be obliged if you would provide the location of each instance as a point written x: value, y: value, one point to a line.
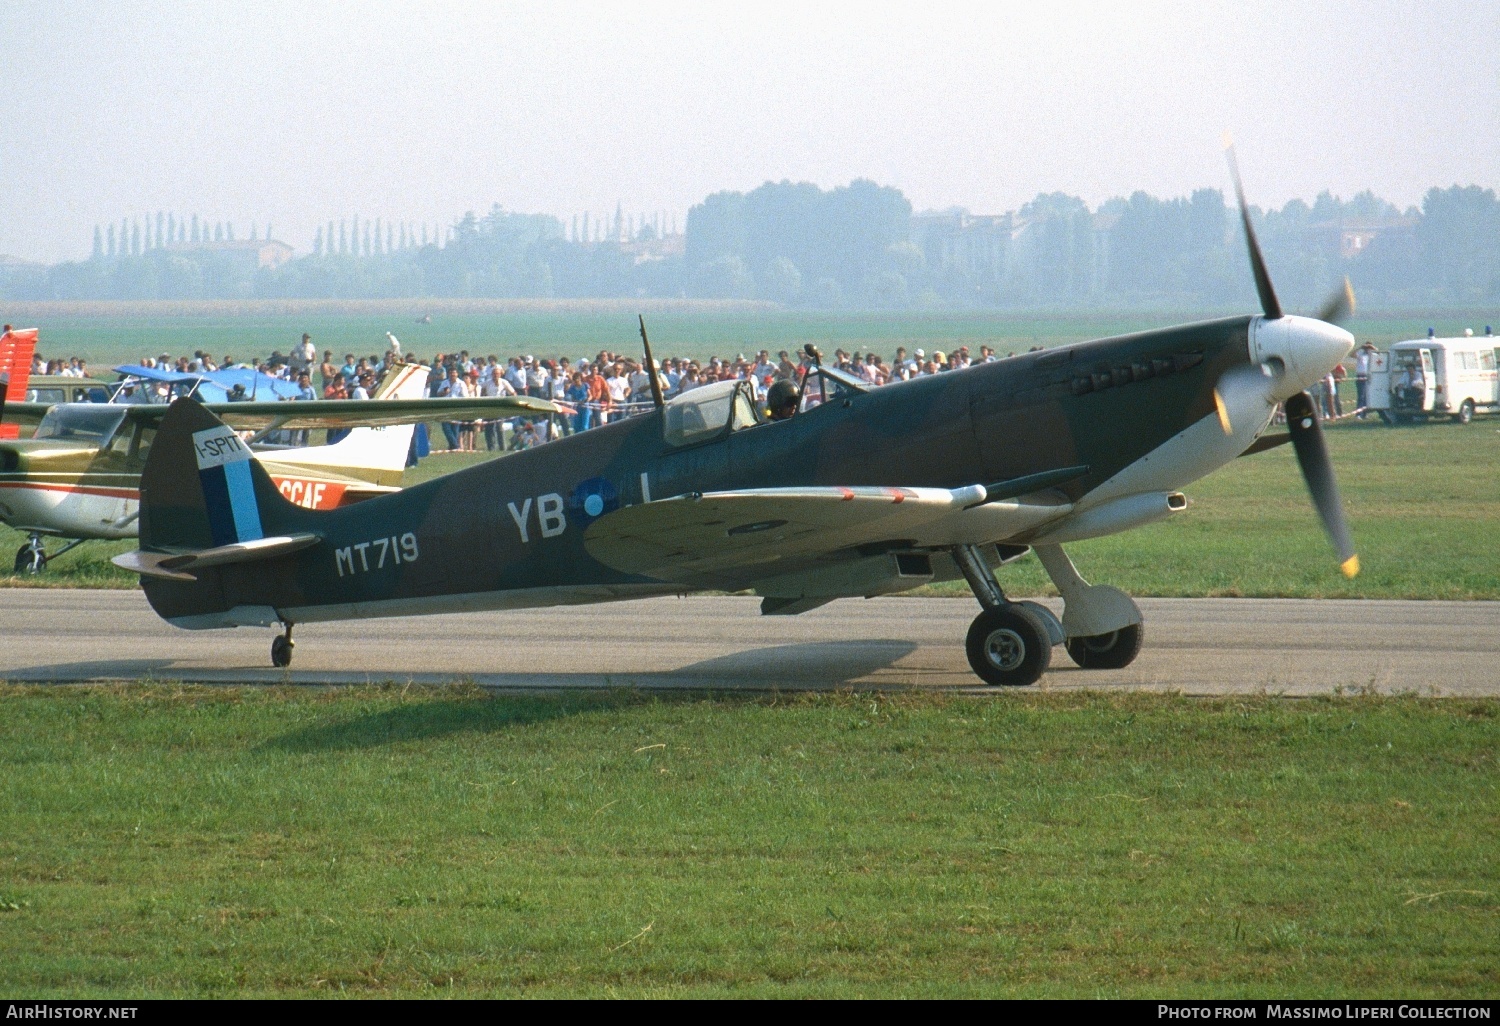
x: 1103, y: 624
x: 31, y: 558
x: 1008, y: 644
x: 281, y: 649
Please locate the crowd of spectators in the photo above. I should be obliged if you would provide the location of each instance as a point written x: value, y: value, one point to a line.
x: 609, y: 385
x: 592, y: 391
x: 73, y: 367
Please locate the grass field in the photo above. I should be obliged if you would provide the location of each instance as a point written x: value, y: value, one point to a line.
x: 168, y: 841
x: 1424, y: 503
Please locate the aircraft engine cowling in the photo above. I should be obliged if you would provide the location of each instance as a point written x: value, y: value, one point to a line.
x: 1298, y: 350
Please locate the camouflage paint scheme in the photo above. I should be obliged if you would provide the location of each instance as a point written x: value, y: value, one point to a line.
x: 458, y: 543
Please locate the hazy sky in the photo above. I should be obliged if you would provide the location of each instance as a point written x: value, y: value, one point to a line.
x: 295, y: 113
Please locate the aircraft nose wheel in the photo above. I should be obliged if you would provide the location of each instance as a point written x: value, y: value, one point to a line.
x: 31, y: 558
x: 281, y: 649
x: 1008, y: 646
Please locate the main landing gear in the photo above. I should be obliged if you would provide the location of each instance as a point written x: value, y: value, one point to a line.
x: 1010, y: 643
x: 281, y: 649
x: 31, y: 558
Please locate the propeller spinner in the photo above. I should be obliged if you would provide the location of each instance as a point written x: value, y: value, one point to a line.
x: 1301, y: 349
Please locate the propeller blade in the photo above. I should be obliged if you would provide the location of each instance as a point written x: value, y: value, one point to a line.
x: 1225, y: 424
x: 1242, y: 394
x: 1339, y: 305
x: 1268, y: 301
x: 1317, y: 471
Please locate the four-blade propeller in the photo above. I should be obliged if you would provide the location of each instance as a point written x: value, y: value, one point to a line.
x: 1301, y: 415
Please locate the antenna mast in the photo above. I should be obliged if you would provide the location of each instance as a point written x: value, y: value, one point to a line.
x: 651, y: 366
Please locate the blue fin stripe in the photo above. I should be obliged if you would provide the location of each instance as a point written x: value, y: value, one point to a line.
x: 242, y: 501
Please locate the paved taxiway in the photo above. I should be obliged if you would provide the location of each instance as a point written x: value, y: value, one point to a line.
x: 1197, y: 646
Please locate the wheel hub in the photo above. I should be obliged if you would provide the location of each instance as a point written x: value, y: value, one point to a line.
x: 1005, y: 649
x: 1101, y: 642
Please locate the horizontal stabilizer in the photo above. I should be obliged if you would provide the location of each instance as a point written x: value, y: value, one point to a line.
x: 176, y: 566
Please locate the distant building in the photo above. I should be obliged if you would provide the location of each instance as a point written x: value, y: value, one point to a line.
x: 1354, y: 239
x: 267, y: 253
x: 644, y: 251
x: 976, y: 245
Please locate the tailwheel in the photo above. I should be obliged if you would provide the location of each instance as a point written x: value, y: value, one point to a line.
x: 281, y: 649
x: 1008, y: 646
x: 1110, y: 651
x: 31, y: 558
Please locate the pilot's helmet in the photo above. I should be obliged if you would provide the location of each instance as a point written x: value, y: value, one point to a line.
x: 783, y: 393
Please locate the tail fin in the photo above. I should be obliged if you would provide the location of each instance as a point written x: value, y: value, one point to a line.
x: 375, y: 454
x: 202, y: 489
x: 16, y: 349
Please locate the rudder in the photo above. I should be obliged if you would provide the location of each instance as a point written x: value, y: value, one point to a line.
x: 202, y: 488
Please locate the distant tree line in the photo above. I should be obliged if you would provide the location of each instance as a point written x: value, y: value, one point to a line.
x: 854, y: 246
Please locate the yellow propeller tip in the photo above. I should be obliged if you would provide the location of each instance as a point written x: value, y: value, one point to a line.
x: 1350, y: 566
x: 1226, y: 139
x: 1223, y: 412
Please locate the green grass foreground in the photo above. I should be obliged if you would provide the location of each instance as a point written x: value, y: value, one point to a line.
x: 167, y: 841
x: 1423, y: 503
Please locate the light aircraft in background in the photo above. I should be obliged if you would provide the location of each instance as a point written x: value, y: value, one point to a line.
x: 78, y: 477
x: 230, y: 384
x: 861, y: 493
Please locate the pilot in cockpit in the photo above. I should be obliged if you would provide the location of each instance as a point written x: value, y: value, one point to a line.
x: 781, y: 400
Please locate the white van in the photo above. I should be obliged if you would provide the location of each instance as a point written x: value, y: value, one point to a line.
x: 1435, y: 377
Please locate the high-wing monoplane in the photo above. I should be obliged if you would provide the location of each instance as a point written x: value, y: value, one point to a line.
x: 861, y: 493
x: 78, y: 476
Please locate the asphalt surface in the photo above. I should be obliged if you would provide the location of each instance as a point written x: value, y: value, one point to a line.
x: 1195, y: 646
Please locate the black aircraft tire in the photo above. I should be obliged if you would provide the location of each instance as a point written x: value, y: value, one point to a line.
x: 1465, y: 412
x: 1008, y: 646
x: 30, y: 560
x: 281, y: 652
x: 1113, y: 651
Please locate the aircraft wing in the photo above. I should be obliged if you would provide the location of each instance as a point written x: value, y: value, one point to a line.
x: 731, y: 539
x: 350, y: 413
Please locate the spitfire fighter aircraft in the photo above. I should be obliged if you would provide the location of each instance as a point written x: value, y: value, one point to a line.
x: 78, y: 477
x: 856, y: 493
